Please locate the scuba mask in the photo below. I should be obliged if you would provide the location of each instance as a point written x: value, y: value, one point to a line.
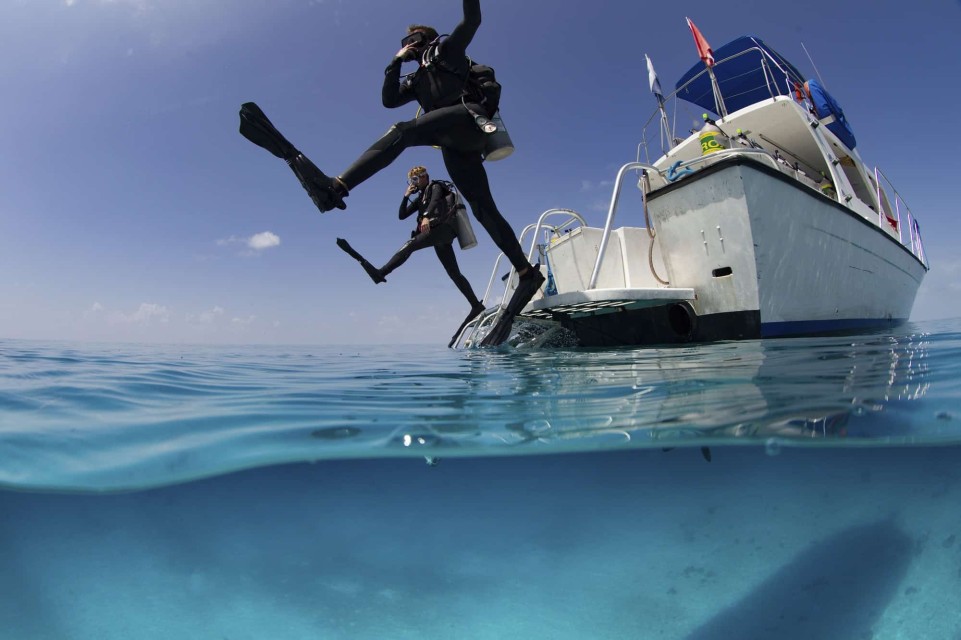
x: 416, y: 39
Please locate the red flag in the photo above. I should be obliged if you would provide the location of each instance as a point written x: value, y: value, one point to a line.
x: 703, y: 48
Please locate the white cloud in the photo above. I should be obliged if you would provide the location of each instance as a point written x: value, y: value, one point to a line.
x: 205, y: 317
x: 243, y: 321
x: 145, y: 314
x: 256, y: 243
x: 263, y: 240
x: 208, y: 316
x: 93, y: 311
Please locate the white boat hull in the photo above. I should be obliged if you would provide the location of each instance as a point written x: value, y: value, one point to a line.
x: 802, y: 261
x: 747, y: 253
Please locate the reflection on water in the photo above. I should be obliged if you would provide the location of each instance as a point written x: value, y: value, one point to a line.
x: 87, y: 418
x: 798, y: 389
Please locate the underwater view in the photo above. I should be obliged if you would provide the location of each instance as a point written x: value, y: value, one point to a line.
x: 795, y: 488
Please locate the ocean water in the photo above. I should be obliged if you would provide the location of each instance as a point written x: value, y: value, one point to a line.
x: 805, y: 488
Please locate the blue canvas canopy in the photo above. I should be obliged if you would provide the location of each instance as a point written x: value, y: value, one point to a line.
x: 742, y: 80
x: 825, y: 106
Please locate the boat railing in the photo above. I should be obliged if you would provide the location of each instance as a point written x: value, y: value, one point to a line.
x: 537, y: 227
x: 612, y: 210
x: 678, y: 168
x: 668, y: 111
x: 572, y: 217
x: 898, y: 212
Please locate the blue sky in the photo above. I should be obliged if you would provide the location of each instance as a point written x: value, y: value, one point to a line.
x: 131, y: 209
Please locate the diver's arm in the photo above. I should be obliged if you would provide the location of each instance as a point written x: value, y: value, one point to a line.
x: 394, y: 94
x: 408, y: 207
x: 435, y: 203
x: 464, y: 32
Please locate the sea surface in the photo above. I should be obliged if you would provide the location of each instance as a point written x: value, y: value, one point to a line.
x: 804, y: 488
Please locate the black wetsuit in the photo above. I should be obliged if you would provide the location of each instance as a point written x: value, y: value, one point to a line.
x: 446, y: 123
x: 432, y: 204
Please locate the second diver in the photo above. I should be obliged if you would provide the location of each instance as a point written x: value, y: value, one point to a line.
x: 436, y: 207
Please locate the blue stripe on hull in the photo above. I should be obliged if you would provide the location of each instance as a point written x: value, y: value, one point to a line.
x: 813, y: 327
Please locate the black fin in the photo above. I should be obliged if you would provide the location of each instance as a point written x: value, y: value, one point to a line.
x: 527, y: 286
x: 371, y: 270
x: 256, y: 127
x: 473, y: 313
x: 317, y: 184
x: 349, y: 250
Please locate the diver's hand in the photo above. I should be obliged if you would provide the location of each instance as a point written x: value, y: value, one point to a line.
x: 424, y: 226
x: 411, y: 189
x: 406, y: 53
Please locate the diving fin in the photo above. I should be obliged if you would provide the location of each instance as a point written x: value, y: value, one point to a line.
x: 475, y: 311
x: 317, y: 184
x: 256, y: 127
x: 527, y: 286
x: 371, y: 270
x: 349, y: 250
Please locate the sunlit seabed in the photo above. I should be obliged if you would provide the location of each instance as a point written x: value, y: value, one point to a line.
x: 108, y: 417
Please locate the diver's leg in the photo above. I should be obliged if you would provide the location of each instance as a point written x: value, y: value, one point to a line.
x: 418, y: 242
x: 469, y: 175
x: 445, y: 253
x: 467, y: 171
x: 431, y: 128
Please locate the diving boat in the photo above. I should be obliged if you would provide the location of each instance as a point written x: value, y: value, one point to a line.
x: 765, y: 222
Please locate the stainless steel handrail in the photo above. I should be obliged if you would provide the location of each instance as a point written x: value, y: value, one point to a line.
x: 610, y: 214
x: 536, y: 227
x: 574, y: 216
x: 730, y: 152
x: 652, y: 169
x: 913, y: 233
x: 490, y: 283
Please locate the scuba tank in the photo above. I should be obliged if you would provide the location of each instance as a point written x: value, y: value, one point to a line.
x: 711, y: 137
x: 499, y: 144
x: 465, y: 232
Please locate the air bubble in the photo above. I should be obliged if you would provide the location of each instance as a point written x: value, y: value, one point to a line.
x: 772, y: 447
x: 537, y: 426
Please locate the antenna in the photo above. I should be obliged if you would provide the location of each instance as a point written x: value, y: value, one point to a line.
x: 820, y: 79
